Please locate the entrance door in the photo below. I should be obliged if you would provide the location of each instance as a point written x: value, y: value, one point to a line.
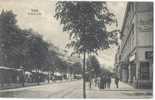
x: 144, y: 71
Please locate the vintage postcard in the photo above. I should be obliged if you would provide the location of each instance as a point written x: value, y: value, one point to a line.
x: 76, y: 49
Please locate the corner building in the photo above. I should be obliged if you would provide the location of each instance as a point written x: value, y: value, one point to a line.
x: 136, y: 49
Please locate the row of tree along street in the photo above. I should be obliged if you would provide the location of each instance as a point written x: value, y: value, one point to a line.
x: 26, y: 57
x: 86, y: 23
x: 25, y: 51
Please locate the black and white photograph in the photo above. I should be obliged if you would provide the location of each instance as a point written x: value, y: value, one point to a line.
x: 76, y: 49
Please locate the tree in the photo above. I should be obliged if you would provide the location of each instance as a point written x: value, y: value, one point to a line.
x: 11, y: 40
x: 36, y: 54
x: 50, y: 62
x: 77, y: 69
x: 105, y: 71
x: 86, y: 23
x: 93, y: 66
x: 61, y: 65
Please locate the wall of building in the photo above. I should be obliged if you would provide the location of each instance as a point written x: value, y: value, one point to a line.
x: 137, y: 38
x: 144, y: 41
x: 128, y: 38
x: 144, y: 28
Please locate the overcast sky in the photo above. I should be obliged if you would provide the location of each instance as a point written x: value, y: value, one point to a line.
x: 49, y: 27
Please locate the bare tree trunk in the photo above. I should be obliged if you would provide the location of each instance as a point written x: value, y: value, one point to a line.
x: 84, y: 83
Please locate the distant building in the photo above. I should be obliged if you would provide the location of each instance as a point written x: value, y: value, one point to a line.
x: 135, y: 55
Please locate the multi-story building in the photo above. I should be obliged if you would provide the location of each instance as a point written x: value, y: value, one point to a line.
x: 136, y: 49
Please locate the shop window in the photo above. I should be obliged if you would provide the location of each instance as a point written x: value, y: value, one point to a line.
x: 144, y: 70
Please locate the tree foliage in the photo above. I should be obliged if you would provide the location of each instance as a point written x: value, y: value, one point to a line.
x: 11, y: 40
x: 93, y: 65
x: 86, y: 24
x: 20, y: 47
x: 77, y: 68
x: 37, y: 51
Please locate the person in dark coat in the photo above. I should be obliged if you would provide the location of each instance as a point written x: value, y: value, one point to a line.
x: 98, y: 82
x: 95, y: 81
x: 105, y: 80
x: 108, y: 81
x: 117, y: 81
x: 102, y: 82
x: 90, y: 82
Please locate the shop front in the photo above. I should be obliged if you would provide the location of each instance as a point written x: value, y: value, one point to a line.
x: 146, y: 71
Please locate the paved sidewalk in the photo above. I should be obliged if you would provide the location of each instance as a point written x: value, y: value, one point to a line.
x: 122, y: 86
x: 124, y: 91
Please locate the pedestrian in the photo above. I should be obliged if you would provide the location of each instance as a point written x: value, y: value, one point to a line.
x: 108, y: 81
x: 117, y: 81
x: 102, y: 82
x: 105, y: 80
x: 95, y: 81
x: 98, y: 81
x: 90, y: 83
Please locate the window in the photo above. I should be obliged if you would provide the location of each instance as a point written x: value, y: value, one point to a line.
x: 144, y: 70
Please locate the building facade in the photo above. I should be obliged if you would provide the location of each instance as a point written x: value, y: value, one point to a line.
x: 136, y: 50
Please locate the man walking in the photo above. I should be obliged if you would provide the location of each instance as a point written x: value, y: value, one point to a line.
x: 95, y: 81
x: 108, y: 81
x: 90, y: 81
x: 116, y: 81
x: 102, y: 82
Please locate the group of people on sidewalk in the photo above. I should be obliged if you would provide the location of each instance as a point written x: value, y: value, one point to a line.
x: 104, y: 81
